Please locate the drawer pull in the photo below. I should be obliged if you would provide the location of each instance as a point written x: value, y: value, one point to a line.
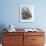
x: 33, y: 39
x: 10, y: 38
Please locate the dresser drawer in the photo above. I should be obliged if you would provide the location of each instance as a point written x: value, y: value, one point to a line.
x: 13, y: 44
x: 34, y: 33
x: 13, y: 33
x: 37, y: 39
x: 37, y: 44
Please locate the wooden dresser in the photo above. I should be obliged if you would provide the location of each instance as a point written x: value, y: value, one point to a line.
x: 23, y: 38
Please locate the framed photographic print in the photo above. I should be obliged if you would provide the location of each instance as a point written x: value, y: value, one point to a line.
x: 26, y: 13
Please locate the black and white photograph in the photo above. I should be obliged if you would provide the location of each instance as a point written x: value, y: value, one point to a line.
x: 26, y: 13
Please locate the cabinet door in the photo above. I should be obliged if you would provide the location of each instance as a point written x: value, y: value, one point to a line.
x: 27, y: 40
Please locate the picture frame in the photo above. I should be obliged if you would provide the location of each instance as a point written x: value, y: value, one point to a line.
x: 26, y: 13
